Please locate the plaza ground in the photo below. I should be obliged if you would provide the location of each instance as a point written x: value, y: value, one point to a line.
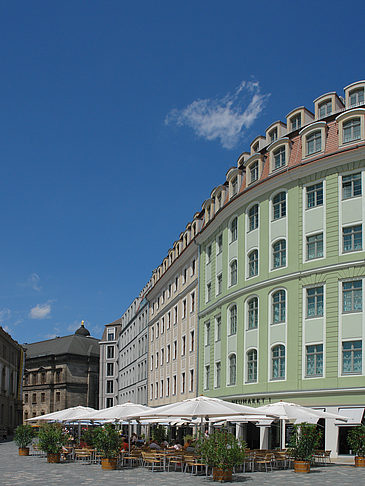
x: 34, y: 470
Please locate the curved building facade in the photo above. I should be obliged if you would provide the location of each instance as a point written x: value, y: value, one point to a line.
x: 281, y: 271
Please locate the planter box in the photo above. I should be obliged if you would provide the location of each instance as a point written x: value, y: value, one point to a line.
x: 109, y: 464
x: 302, y: 467
x: 222, y: 475
x: 23, y: 451
x: 53, y: 458
x: 359, y: 461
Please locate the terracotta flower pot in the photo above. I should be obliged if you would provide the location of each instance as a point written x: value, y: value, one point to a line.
x: 23, y: 451
x: 359, y: 461
x: 222, y: 475
x: 53, y: 458
x: 301, y: 466
x: 109, y: 464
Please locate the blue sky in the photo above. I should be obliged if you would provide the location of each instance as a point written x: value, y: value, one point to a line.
x: 119, y: 118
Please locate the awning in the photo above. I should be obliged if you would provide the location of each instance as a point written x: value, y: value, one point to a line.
x: 354, y: 416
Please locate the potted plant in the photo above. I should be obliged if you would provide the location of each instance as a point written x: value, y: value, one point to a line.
x: 108, y: 442
x: 51, y: 439
x: 23, y: 437
x: 303, y: 442
x: 356, y: 441
x: 222, y: 451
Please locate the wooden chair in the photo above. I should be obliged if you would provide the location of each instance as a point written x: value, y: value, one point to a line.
x: 150, y: 459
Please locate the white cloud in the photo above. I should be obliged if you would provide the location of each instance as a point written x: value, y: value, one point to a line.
x: 40, y: 311
x: 5, y: 314
x: 33, y: 282
x: 225, y: 118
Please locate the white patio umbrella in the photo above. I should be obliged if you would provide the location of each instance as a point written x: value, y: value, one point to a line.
x: 66, y: 415
x: 292, y: 412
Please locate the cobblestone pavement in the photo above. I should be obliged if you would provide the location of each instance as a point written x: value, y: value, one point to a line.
x: 34, y: 471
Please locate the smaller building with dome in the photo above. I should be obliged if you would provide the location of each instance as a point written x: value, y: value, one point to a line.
x: 60, y: 373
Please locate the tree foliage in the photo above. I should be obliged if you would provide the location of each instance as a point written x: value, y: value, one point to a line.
x: 221, y: 449
x: 51, y: 438
x: 356, y: 440
x: 23, y: 435
x: 303, y: 442
x: 107, y: 441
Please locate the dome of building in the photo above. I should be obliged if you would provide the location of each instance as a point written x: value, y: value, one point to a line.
x: 82, y: 331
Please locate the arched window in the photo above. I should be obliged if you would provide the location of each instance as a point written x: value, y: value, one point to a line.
x: 252, y: 366
x: 253, y: 263
x: 233, y: 319
x: 279, y: 254
x: 313, y: 142
x: 232, y: 369
x: 278, y: 306
x: 279, y: 205
x: 279, y: 157
x: 278, y: 362
x: 253, y: 217
x: 234, y: 229
x: 253, y: 313
x: 233, y: 271
x: 351, y: 130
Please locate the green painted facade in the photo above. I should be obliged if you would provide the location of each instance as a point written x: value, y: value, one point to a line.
x: 298, y: 331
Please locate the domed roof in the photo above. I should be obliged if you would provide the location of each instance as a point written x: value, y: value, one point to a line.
x: 82, y: 331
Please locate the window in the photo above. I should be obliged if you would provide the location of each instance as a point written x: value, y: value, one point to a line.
x: 352, y: 296
x: 26, y: 398
x: 156, y: 365
x: 209, y: 291
x: 356, y: 97
x: 279, y: 158
x: 233, y: 272
x: 314, y: 360
x: 351, y: 186
x: 278, y: 362
x: 193, y: 267
x: 176, y: 283
x: 219, y: 283
x: 152, y: 333
x: 192, y: 341
x: 182, y: 382
x: 207, y: 377
x: 109, y: 402
x: 232, y: 369
x: 315, y: 195
x: 233, y: 320
x: 254, y: 172
x: 253, y: 313
x: 184, y: 309
x: 296, y: 122
x: 253, y: 263
x: 209, y: 253
x: 43, y: 397
x: 279, y: 205
x: 111, y: 336
x: 191, y: 387
x: 192, y: 302
x: 234, y: 186
x: 218, y: 328
x: 110, y: 369
x: 273, y: 135
x: 234, y: 230
x: 325, y: 108
x: 351, y: 357
x: 218, y: 201
x: 43, y: 377
x: 253, y: 217
x: 162, y: 389
x: 175, y: 315
x: 207, y: 333
x: 252, y: 366
x: 175, y: 350
x: 168, y: 320
x: 109, y: 386
x: 183, y: 346
x: 58, y: 396
x: 315, y: 246
x: 279, y: 254
x: 278, y: 306
x: 151, y: 362
x: 351, y: 130
x: 219, y: 244
x: 34, y: 397
x: 352, y: 238
x: 110, y: 352
x: 315, y: 302
x: 313, y: 142
x: 162, y: 356
x: 218, y: 374
x: 168, y: 353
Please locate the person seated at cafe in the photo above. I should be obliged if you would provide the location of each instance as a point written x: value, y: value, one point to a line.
x: 124, y: 446
x: 177, y: 446
x: 189, y: 446
x: 153, y: 445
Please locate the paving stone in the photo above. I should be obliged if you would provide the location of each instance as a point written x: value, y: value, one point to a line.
x: 34, y: 471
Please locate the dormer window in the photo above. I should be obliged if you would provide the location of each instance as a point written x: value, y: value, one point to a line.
x: 296, y: 122
x: 325, y: 108
x: 356, y: 97
x: 313, y: 142
x: 218, y: 202
x: 256, y: 147
x: 254, y: 172
x: 273, y: 135
x: 234, y: 186
x: 279, y: 157
x: 351, y: 126
x: 351, y: 130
